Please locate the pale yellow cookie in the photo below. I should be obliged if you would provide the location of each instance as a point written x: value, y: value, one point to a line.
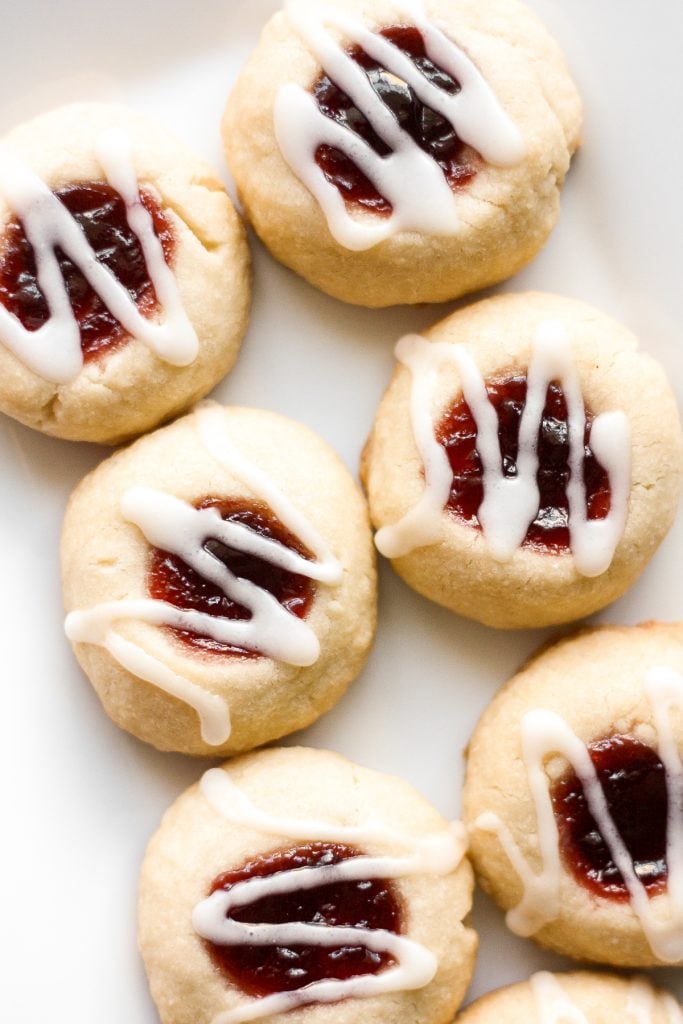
x: 581, y: 996
x: 152, y: 578
x: 569, y: 776
x: 536, y: 562
x: 115, y: 383
x: 415, y: 237
x: 275, y: 811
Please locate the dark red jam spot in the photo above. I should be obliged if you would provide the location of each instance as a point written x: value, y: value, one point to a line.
x: 634, y: 783
x: 263, y: 970
x: 171, y: 579
x: 457, y: 432
x: 101, y: 214
x: 432, y: 132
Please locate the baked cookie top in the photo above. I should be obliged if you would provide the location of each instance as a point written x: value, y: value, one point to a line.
x: 402, y: 152
x: 572, y: 796
x: 220, y: 580
x: 295, y: 886
x: 580, y: 997
x: 124, y: 274
x: 525, y: 461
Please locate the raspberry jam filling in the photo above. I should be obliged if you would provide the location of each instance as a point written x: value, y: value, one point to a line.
x: 634, y: 783
x: 264, y: 970
x: 171, y: 579
x: 432, y: 132
x: 101, y: 214
x: 457, y: 432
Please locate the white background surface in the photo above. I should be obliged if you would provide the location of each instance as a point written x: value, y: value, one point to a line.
x: 80, y: 798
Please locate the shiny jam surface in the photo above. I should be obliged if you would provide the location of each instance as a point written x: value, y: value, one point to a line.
x: 634, y: 783
x: 457, y: 432
x: 101, y: 214
x: 171, y: 579
x: 432, y: 132
x: 263, y: 970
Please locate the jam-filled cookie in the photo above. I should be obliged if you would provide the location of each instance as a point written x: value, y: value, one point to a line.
x: 580, y: 997
x: 292, y: 885
x: 402, y: 152
x: 525, y: 462
x: 574, y: 797
x: 124, y: 275
x: 220, y: 581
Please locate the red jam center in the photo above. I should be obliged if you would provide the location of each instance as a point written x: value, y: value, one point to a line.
x: 101, y: 214
x: 634, y: 783
x: 170, y: 579
x: 263, y: 970
x: 432, y: 132
x: 457, y: 432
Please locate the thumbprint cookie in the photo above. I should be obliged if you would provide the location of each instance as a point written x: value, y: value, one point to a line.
x: 580, y: 997
x: 291, y: 885
x: 525, y: 462
x: 574, y: 797
x: 124, y: 275
x: 401, y: 151
x: 219, y: 580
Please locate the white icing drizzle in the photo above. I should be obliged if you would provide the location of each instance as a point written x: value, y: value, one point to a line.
x: 672, y: 1008
x: 641, y: 1001
x: 553, y: 1005
x: 54, y: 350
x: 441, y: 853
x: 175, y: 526
x: 511, y: 503
x: 545, y: 733
x: 644, y: 1000
x: 414, y: 184
x: 415, y: 965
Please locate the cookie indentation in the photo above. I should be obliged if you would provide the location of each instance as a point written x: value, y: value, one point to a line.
x: 457, y: 432
x: 264, y: 970
x: 633, y: 780
x: 432, y: 132
x: 101, y: 214
x: 170, y: 579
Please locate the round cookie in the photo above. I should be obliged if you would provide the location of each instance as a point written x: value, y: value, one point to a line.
x: 144, y: 275
x: 525, y: 461
x: 572, y: 796
x: 448, y: 181
x: 220, y: 580
x: 322, y: 847
x: 581, y: 997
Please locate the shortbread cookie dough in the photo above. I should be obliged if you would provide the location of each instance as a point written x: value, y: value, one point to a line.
x: 580, y: 996
x: 573, y: 797
x: 402, y: 152
x: 220, y: 581
x: 525, y: 462
x: 294, y: 886
x: 124, y: 275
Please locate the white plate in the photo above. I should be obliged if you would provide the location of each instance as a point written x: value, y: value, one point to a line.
x: 80, y: 797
